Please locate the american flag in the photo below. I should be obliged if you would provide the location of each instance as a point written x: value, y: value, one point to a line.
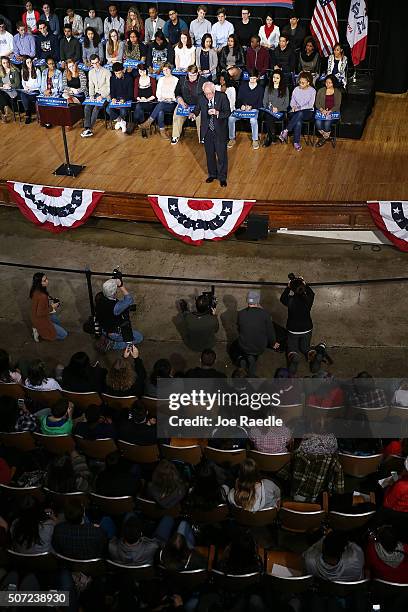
x: 324, y: 26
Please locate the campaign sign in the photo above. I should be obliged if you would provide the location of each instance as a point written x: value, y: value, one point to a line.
x: 244, y: 114
x: 84, y: 67
x: 38, y: 63
x: 184, y: 112
x: 131, y: 63
x: 51, y: 101
x: 277, y: 115
x: 179, y: 72
x: 88, y: 101
x: 117, y: 104
x: 332, y: 117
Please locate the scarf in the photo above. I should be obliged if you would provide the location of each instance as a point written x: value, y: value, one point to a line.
x: 392, y: 559
x: 308, y: 58
x: 269, y: 30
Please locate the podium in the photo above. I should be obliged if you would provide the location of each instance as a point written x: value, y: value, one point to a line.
x: 63, y: 115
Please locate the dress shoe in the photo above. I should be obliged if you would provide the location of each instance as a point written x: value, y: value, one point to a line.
x: 209, y: 179
x: 223, y: 183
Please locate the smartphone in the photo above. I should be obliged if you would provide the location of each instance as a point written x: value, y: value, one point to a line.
x: 20, y: 403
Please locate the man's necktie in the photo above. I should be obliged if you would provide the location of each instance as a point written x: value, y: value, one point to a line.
x: 211, y: 122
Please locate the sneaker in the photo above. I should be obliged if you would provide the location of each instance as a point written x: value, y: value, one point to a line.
x: 123, y: 126
x: 36, y: 335
x: 297, y: 146
x: 255, y: 144
x: 283, y: 136
x: 118, y: 124
x: 231, y: 143
x: 175, y: 140
x: 27, y: 120
x: 86, y: 133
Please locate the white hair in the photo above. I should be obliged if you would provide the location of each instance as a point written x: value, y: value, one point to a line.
x: 109, y: 288
x: 208, y: 87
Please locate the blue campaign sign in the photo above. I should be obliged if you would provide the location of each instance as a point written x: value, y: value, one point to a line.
x: 241, y: 114
x: 131, y: 63
x: 40, y: 62
x: 184, y: 112
x: 277, y: 115
x: 84, y: 67
x: 50, y: 101
x: 126, y: 104
x: 332, y: 117
x: 179, y: 72
x: 88, y: 101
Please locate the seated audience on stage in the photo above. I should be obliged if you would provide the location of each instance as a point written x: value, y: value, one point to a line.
x: 269, y: 33
x: 23, y: 43
x: 144, y: 93
x: 231, y: 55
x: 235, y: 76
x: 276, y: 99
x: 81, y: 376
x: 7, y: 373
x: 6, y: 41
x: 295, y: 33
x: 387, y: 557
x: 126, y: 375
x: 68, y: 474
x: 116, y: 479
x: 51, y: 19
x: 92, y: 46
x: 200, y: 27
x: 184, y: 52
x: 135, y: 426
x: 115, y: 48
x: 134, y: 23
x: 251, y: 492
x: 166, y: 487
x: 30, y: 18
x: 250, y: 98
x: 75, y: 21
x: 224, y: 85
x: 161, y: 369
x: 365, y: 394
x: 51, y: 79
x: 46, y: 44
x: 337, y: 65
x: 257, y: 56
x: 221, y: 30
x: 113, y: 22
x: 69, y: 47
x: 152, y: 24
x: 134, y: 48
x: 99, y: 88
x: 121, y: 90
x: 166, y: 96
x: 10, y: 82
x: 31, y: 532
x: 328, y: 101
x: 159, y: 52
x: 173, y: 28
x: 301, y: 106
x: 96, y: 426
x: 246, y: 28
x: 187, y: 92
x: 309, y: 58
x: 284, y: 58
x: 206, y: 58
x: 94, y: 22
x: 335, y: 557
x: 74, y: 83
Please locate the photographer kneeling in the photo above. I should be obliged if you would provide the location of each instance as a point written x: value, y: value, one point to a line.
x: 201, y: 326
x: 113, y: 314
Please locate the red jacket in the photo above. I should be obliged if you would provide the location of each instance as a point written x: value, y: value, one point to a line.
x: 396, y: 496
x: 257, y: 58
x: 37, y: 18
x: 379, y: 569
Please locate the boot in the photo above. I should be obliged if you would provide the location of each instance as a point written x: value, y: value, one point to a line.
x: 144, y: 133
x: 3, y: 117
x: 164, y: 134
x: 267, y: 141
x: 28, y: 118
x: 146, y: 124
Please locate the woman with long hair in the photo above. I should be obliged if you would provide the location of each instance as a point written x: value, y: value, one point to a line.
x: 74, y: 83
x: 7, y: 374
x: 10, y: 81
x: 224, y: 84
x: 167, y: 487
x: 127, y: 375
x: 161, y: 369
x: 91, y: 45
x: 81, y: 377
x: 207, y: 58
x: 205, y: 493
x: 232, y: 54
x: 31, y: 82
x: 301, y: 107
x: 276, y: 100
x: 328, y: 101
x: 184, y: 52
x: 145, y: 94
x: 159, y: 52
x: 251, y: 492
x: 134, y: 48
x: 31, y: 532
x: 166, y: 96
x: 337, y: 65
x: 309, y: 59
x: 45, y: 322
x: 114, y: 48
x: 269, y: 33
x: 134, y: 22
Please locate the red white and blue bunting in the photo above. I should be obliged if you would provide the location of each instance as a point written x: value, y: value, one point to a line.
x: 194, y: 220
x: 55, y: 209
x: 392, y: 218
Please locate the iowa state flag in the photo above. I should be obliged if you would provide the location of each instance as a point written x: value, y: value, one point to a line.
x: 357, y: 30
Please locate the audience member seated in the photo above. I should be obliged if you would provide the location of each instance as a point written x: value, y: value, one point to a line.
x: 206, y: 58
x: 235, y: 75
x: 51, y: 19
x: 309, y: 59
x: 82, y: 377
x: 386, y: 557
x: 116, y: 480
x: 270, y: 439
x: 269, y: 33
x: 246, y: 28
x: 46, y: 44
x: 328, y: 101
x: 51, y: 80
x: 284, y: 58
x: 121, y: 90
x: 92, y: 46
x: 70, y: 47
x: 133, y: 547
x: 74, y: 83
x: 241, y: 555
x: 92, y: 21
x: 396, y: 495
x: 276, y: 100
x: 75, y: 21
x: 10, y: 81
x: 257, y: 57
x: 288, y: 388
x: 251, y: 492
x: 159, y: 52
x: 301, y: 105
x: 134, y: 48
x: 144, y: 93
x: 6, y: 40
x: 58, y: 419
x: 68, y: 474
x: 200, y: 27
x: 152, y: 24
x: 205, y: 493
x: 188, y: 89
x: 179, y: 555
x: 224, y: 85
x: 184, y: 52
x: 328, y: 394
x: 30, y: 18
x: 294, y: 32
x: 7, y: 373
x: 250, y: 98
x: 76, y: 537
x: 96, y: 426
x: 113, y: 22
x: 99, y: 88
x: 115, y: 48
x: 127, y: 374
x: 166, y: 96
x: 231, y: 55
x: 16, y: 417
x: 205, y: 369
x: 335, y: 557
x: 134, y: 23
x: 31, y: 532
x: 136, y: 427
x: 173, y: 28
x: 365, y: 394
x: 400, y: 397
x: 167, y: 487
x: 37, y: 378
x: 337, y: 65
x: 221, y: 30
x: 23, y: 43
x: 161, y: 369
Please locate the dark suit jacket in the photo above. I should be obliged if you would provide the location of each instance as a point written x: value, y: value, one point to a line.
x: 222, y: 105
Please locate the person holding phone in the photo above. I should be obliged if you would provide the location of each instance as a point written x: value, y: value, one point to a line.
x: 44, y: 318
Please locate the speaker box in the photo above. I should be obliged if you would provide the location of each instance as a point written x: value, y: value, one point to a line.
x: 256, y: 228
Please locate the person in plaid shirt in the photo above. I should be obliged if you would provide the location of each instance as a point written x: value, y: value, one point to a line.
x: 365, y: 394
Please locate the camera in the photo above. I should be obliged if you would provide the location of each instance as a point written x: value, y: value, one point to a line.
x: 291, y: 276
x: 118, y: 275
x: 209, y: 296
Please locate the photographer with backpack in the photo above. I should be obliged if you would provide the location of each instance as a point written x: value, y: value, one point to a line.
x: 298, y: 297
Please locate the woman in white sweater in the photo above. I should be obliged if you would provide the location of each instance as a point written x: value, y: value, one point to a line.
x: 269, y: 33
x: 165, y: 94
x: 31, y: 82
x: 184, y: 52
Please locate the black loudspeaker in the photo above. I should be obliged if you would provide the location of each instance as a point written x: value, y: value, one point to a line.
x: 256, y: 228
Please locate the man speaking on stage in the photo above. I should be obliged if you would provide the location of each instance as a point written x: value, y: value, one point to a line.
x: 215, y: 110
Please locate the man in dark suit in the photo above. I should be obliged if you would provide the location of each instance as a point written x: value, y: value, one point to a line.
x: 215, y: 110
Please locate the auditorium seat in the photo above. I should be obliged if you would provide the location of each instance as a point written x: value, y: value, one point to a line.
x: 83, y: 400
x: 45, y: 398
x: 269, y: 462
x: 260, y: 518
x: 119, y: 403
x: 187, y: 454
x: 38, y: 562
x: 210, y: 517
x: 138, y: 453
x: 235, y: 582
x: 232, y: 457
x: 301, y: 517
x: 96, y: 449
x: 11, y: 390
x: 113, y: 505
x: 56, y: 445
x: 89, y: 567
x: 19, y: 440
x: 359, y: 466
x: 138, y: 573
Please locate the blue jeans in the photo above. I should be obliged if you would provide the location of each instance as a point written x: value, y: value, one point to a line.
x: 295, y: 122
x: 160, y: 109
x: 61, y: 332
x: 118, y: 342
x: 254, y: 126
x: 114, y: 113
x: 324, y: 125
x: 140, y: 109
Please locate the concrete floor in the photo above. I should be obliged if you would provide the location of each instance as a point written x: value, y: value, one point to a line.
x: 364, y: 325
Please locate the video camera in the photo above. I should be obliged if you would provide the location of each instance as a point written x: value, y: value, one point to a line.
x: 210, y: 297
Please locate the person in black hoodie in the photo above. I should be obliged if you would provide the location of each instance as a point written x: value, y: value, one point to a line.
x: 159, y: 52
x: 284, y: 57
x: 298, y: 298
x: 82, y: 377
x: 294, y: 32
x: 46, y: 44
x: 121, y: 90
